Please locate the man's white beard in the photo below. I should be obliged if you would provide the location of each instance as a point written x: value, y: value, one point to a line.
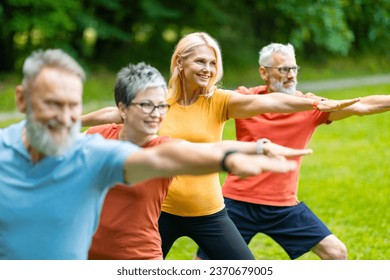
x: 40, y: 138
x: 278, y: 87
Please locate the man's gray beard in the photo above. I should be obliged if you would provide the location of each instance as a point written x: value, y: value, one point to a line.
x: 40, y: 138
x: 278, y: 87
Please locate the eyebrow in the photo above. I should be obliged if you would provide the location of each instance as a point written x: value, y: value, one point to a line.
x: 148, y: 100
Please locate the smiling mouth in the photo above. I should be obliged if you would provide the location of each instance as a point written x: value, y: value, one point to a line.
x: 204, y: 77
x: 289, y: 83
x: 56, y: 126
x: 59, y: 129
x: 154, y: 124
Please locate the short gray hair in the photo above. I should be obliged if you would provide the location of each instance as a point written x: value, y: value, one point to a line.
x: 52, y: 58
x: 134, y: 78
x: 266, y: 53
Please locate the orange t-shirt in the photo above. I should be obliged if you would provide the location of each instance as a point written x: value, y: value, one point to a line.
x: 128, y: 228
x: 292, y: 130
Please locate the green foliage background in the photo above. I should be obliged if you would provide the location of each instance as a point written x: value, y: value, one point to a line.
x: 116, y: 32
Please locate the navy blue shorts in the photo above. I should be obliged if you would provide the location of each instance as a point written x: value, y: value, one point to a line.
x: 215, y: 233
x: 296, y: 228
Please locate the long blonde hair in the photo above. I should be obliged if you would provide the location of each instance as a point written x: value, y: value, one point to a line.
x: 184, y: 49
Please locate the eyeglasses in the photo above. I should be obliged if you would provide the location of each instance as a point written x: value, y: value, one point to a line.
x: 285, y: 70
x: 148, y: 107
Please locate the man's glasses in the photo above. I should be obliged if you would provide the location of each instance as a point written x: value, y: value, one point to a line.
x: 148, y: 107
x: 285, y: 70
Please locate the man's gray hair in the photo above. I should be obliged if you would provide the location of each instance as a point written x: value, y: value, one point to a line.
x: 266, y: 53
x: 134, y: 78
x: 52, y: 58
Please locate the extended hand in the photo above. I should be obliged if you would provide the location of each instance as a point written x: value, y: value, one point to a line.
x: 275, y: 150
x: 244, y: 165
x: 335, y: 105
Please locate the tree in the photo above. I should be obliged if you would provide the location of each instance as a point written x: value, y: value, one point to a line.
x: 116, y: 32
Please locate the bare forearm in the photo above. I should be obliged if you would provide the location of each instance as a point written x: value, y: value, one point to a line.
x: 172, y: 159
x: 240, y: 146
x: 261, y: 147
x: 245, y: 106
x: 283, y: 103
x: 101, y: 116
x: 373, y: 104
x: 251, y: 105
x: 186, y: 158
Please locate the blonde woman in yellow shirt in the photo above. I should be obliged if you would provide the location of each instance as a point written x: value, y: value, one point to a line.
x: 194, y: 206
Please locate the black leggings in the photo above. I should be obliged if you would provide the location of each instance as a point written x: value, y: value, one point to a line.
x: 216, y: 234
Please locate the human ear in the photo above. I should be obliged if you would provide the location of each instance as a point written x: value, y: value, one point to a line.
x: 122, y: 110
x: 179, y: 63
x: 263, y: 73
x: 20, y: 99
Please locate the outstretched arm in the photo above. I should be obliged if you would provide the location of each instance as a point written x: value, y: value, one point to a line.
x: 368, y: 105
x: 262, y: 147
x: 185, y: 158
x: 102, y: 116
x: 245, y: 106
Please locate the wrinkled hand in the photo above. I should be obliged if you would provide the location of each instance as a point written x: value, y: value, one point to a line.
x: 244, y: 165
x: 275, y: 150
x: 335, y: 105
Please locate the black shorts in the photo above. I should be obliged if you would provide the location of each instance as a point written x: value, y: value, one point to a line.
x: 215, y: 233
x: 296, y: 228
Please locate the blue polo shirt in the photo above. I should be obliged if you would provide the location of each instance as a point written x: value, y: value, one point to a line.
x: 50, y: 209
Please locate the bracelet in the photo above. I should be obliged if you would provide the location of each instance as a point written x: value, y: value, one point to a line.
x: 260, y: 143
x: 315, y: 105
x: 223, y: 161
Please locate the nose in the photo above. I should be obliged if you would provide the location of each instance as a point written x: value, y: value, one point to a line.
x: 155, y: 112
x: 206, y: 68
x: 66, y: 116
x: 291, y: 73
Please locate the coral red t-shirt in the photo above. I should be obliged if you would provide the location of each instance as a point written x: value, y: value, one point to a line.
x: 128, y: 228
x: 292, y: 130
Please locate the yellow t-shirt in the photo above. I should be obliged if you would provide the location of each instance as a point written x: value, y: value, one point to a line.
x: 203, y: 121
